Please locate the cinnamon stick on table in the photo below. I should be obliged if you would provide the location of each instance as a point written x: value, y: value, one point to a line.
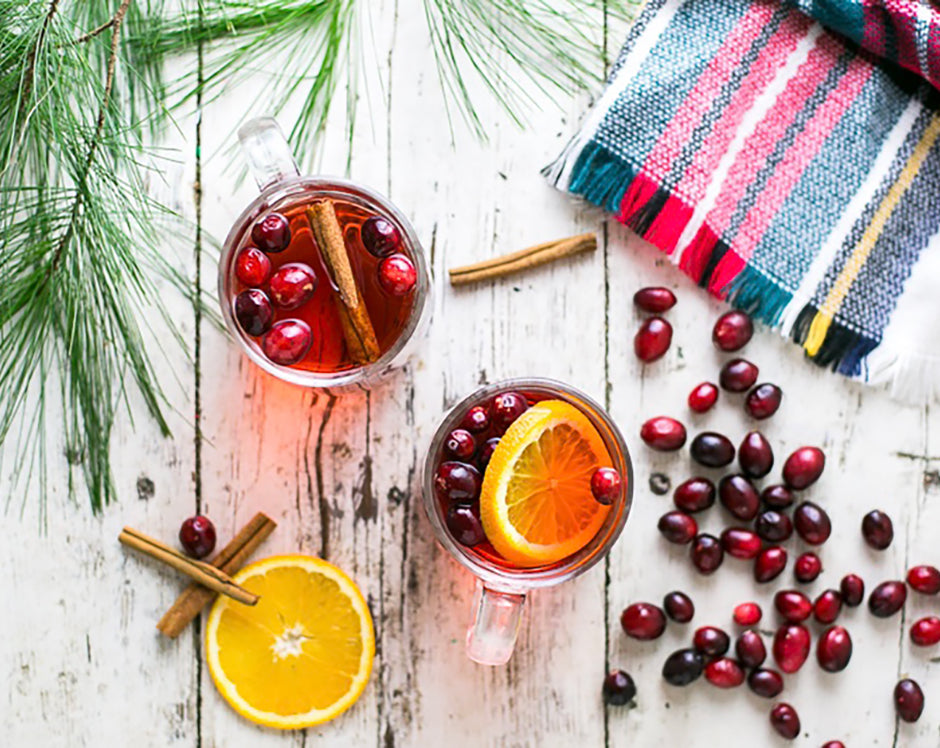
x: 524, y: 259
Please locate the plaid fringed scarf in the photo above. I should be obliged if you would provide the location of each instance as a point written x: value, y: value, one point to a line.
x: 788, y: 165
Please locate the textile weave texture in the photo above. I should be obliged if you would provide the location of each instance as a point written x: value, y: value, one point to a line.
x: 786, y: 155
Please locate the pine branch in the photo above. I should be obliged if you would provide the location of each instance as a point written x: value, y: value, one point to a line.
x: 94, y: 32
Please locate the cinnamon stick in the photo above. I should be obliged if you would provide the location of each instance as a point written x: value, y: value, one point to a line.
x: 230, y: 559
x: 524, y: 259
x: 354, y: 317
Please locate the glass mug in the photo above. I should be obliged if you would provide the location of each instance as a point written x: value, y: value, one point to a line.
x: 501, y: 586
x: 320, y: 318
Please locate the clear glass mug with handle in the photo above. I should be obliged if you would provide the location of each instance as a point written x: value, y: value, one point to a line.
x: 502, y: 586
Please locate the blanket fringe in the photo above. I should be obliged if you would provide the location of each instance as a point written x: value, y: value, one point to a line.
x: 758, y: 295
x: 600, y: 177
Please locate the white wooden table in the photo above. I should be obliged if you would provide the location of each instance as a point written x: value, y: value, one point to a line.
x: 84, y: 666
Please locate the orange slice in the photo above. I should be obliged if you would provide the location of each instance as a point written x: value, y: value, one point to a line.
x: 303, y: 654
x: 536, y: 502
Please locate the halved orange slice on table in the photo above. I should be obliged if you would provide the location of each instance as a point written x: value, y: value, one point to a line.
x: 536, y: 502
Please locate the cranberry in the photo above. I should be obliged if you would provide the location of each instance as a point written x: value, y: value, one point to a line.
x: 762, y: 402
x: 460, y: 444
x: 252, y: 266
x: 643, y: 621
x: 476, y: 420
x: 908, y: 700
x: 652, y: 339
x: 619, y: 688
x: 755, y: 456
x: 703, y: 397
x: 785, y: 720
x: 678, y: 527
x: 812, y: 523
x: 827, y: 606
x: 706, y: 553
x: 738, y: 375
x: 711, y: 641
x: 740, y: 543
x: 506, y: 408
x: 926, y: 631
x: 765, y: 683
x: 791, y: 647
x: 605, y: 485
x: 770, y: 563
x: 852, y: 589
x: 271, y: 233
x: 777, y: 496
x: 197, y: 536
x: 287, y: 342
x: 397, y: 275
x: 803, y: 467
x: 887, y: 599
x: 732, y: 331
x: 794, y: 606
x: 463, y: 522
x: 457, y: 482
x: 679, y: 607
x: 877, y: 529
x: 747, y: 614
x: 924, y: 579
x: 663, y: 434
x: 254, y: 312
x: 773, y: 526
x: 833, y: 744
x: 807, y: 567
x: 380, y: 236
x: 750, y: 649
x: 486, y: 452
x: 738, y: 495
x: 292, y: 285
x: 834, y: 649
x: 724, y: 673
x: 712, y: 450
x: 683, y: 666
x: 694, y: 495
x: 654, y: 299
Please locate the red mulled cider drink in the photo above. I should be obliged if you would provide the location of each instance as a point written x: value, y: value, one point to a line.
x: 322, y: 281
x: 527, y: 483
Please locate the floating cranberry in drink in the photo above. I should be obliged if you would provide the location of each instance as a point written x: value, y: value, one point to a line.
x: 253, y: 311
x: 252, y: 267
x: 605, y: 485
x: 287, y: 342
x: 380, y: 236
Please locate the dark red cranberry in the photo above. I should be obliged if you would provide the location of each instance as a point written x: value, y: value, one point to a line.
x: 827, y: 606
x: 924, y: 579
x: 763, y: 401
x: 737, y: 375
x: 908, y: 700
x: 663, y: 434
x: 812, y: 523
x: 750, y: 649
x: 457, y: 482
x: 770, y: 563
x: 852, y: 589
x: 287, y: 342
x: 683, y: 666
x: 765, y: 683
x: 773, y: 526
x: 252, y: 266
x: 271, y: 233
x: 703, y: 397
x: 506, y: 408
x: 292, y: 285
x: 747, y: 614
x: 679, y: 607
x: 740, y: 543
x: 605, y: 485
x: 486, y: 452
x: 619, y: 688
x: 197, y: 536
x: 738, y: 495
x: 460, y: 444
x: 887, y: 599
x: 254, y: 312
x: 791, y: 647
x: 732, y: 331
x: 712, y: 450
x: 803, y: 467
x: 643, y: 621
x: 463, y: 522
x: 777, y: 496
x: 794, y: 606
x: 380, y: 236
x: 755, y: 456
x: 654, y: 299
x: 476, y: 420
x: 678, y: 527
x: 652, y: 339
x: 785, y: 720
x: 807, y: 567
x: 724, y: 673
x: 926, y: 631
x: 397, y: 275
x: 711, y: 641
x: 694, y: 495
x: 706, y: 553
x: 877, y: 529
x: 834, y: 649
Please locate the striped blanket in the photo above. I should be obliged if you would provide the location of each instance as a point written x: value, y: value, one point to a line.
x: 786, y: 155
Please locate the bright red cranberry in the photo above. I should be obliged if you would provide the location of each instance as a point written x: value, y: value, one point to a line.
x: 785, y: 720
x: 271, y: 233
x: 254, y: 312
x: 486, y: 452
x: 463, y: 522
x: 460, y: 444
x: 737, y: 375
x: 732, y: 331
x: 791, y: 647
x: 380, y: 236
x: 747, y: 614
x: 252, y: 266
x: 506, y: 408
x: 750, y: 649
x: 654, y: 299
x: 678, y: 527
x: 740, y: 543
x: 777, y: 496
x: 926, y: 631
x: 652, y: 340
x: 662, y: 433
x: 877, y: 529
x: 924, y: 579
x: 773, y: 526
x: 477, y: 419
x: 397, y: 275
x: 762, y: 402
x: 908, y: 700
x: 712, y: 450
x: 852, y: 589
x: 794, y: 606
x: 292, y: 285
x: 679, y: 607
x: 619, y: 688
x: 738, y: 495
x: 803, y: 467
x: 807, y: 567
x: 703, y: 397
x: 694, y: 495
x: 827, y: 606
x: 197, y: 536
x: 683, y: 666
x: 833, y: 744
x: 724, y: 673
x: 834, y: 649
x: 457, y: 482
x: 812, y: 523
x: 765, y: 683
x: 706, y: 553
x: 770, y: 563
x: 287, y: 342
x: 711, y: 641
x: 605, y: 485
x: 887, y: 599
x: 643, y: 621
x: 755, y: 456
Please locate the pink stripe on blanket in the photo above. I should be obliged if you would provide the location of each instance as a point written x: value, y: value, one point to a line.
x: 904, y: 15
x: 874, y: 38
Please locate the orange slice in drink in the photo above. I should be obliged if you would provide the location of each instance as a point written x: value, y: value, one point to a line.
x: 536, y: 502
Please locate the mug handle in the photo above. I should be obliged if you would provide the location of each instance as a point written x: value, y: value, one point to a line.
x: 496, y: 618
x: 267, y: 151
